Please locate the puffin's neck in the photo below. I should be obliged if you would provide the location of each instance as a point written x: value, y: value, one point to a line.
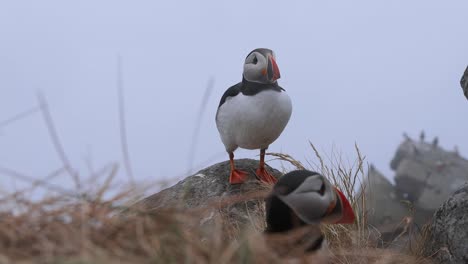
x: 252, y: 88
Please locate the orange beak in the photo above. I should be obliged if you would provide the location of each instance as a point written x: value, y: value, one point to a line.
x: 272, y: 69
x: 348, y: 213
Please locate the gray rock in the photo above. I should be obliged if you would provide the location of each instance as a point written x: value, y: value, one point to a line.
x: 386, y: 209
x: 464, y: 83
x: 382, y: 203
x: 448, y: 232
x: 209, y: 189
x: 426, y: 174
x: 395, y: 220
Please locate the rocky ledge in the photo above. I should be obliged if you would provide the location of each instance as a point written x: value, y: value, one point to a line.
x: 209, y: 190
x: 448, y: 232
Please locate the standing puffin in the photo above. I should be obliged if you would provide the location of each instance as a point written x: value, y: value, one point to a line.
x: 305, y: 198
x: 253, y: 113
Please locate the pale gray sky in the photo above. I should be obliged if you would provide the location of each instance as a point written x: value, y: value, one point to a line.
x: 356, y: 71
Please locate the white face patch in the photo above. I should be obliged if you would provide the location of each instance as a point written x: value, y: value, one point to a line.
x: 307, y: 201
x: 254, y: 64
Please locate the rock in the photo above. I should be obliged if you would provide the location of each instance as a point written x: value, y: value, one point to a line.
x: 209, y: 189
x: 393, y: 218
x: 426, y: 174
x: 383, y: 206
x: 464, y: 83
x: 448, y: 231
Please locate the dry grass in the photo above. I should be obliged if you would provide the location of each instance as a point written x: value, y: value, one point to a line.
x: 65, y: 228
x: 359, y: 242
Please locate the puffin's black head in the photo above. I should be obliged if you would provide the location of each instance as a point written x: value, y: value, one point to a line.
x: 260, y: 66
x: 304, y: 197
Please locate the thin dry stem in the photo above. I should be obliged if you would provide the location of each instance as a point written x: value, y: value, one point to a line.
x: 56, y: 140
x: 20, y: 116
x: 122, y: 122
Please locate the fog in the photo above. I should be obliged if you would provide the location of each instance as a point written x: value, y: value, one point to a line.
x: 357, y: 72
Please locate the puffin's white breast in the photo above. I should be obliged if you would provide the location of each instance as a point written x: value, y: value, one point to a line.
x: 255, y: 121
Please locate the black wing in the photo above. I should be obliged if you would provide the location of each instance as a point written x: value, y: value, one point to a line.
x: 232, y: 91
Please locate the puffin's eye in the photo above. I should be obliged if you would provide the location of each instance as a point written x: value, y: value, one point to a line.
x: 255, y: 60
x: 322, y: 189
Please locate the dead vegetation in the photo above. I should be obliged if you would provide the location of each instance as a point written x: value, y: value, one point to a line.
x: 64, y: 228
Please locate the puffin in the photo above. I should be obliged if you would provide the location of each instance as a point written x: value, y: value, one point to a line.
x: 305, y: 199
x: 254, y: 112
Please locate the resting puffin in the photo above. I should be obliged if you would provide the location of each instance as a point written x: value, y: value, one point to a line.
x: 305, y: 198
x: 253, y: 113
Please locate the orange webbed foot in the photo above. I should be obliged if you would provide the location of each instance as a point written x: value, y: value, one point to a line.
x: 265, y: 176
x: 237, y: 176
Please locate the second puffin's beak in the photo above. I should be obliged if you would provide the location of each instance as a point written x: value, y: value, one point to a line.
x: 347, y: 216
x: 272, y: 69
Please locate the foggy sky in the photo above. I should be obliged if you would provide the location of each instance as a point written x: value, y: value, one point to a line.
x: 357, y: 72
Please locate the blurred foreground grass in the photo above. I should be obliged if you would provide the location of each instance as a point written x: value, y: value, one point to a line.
x: 91, y: 228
